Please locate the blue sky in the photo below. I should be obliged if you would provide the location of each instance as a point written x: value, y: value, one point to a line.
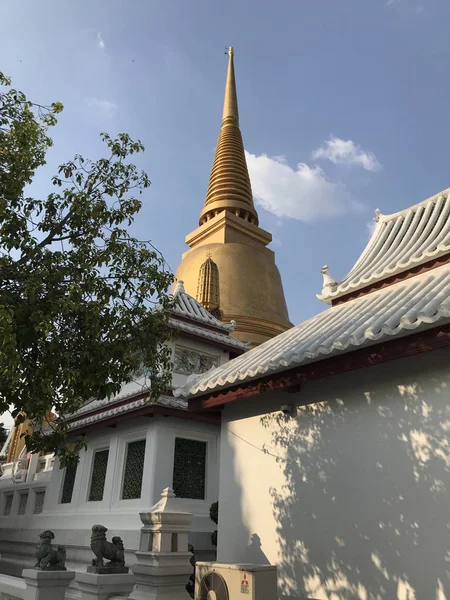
x: 344, y: 107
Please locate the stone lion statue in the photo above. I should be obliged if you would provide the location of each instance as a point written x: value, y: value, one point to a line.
x: 49, y: 558
x: 112, y: 551
x: 20, y: 470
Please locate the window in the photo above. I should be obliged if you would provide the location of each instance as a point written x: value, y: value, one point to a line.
x: 39, y: 502
x: 8, y: 504
x: 189, y: 469
x: 68, y: 485
x: 98, y: 476
x: 22, y: 504
x: 134, y: 470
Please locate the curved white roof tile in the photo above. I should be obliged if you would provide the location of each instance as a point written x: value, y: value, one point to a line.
x: 399, y: 309
x: 400, y: 241
x: 187, y: 306
x: 208, y: 334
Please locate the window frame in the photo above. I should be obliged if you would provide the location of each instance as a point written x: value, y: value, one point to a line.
x: 143, y: 433
x: 101, y: 448
x: 7, y: 495
x: 21, y: 494
x: 63, y: 480
x: 125, y: 459
x: 37, y: 491
x: 200, y: 441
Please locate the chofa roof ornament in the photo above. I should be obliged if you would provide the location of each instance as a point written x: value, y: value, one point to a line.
x: 329, y: 284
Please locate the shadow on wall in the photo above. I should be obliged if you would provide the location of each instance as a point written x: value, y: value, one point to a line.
x: 255, y: 553
x: 364, y: 512
x: 247, y: 547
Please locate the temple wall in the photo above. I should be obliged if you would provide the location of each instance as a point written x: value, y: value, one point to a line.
x: 72, y: 522
x: 351, y: 497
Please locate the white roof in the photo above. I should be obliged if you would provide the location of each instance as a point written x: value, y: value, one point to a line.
x: 400, y: 309
x: 202, y: 322
x: 115, y: 408
x: 198, y: 322
x: 400, y: 241
x: 189, y: 307
x: 208, y: 334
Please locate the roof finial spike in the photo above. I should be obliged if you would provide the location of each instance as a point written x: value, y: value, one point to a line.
x: 179, y: 288
x: 230, y: 105
x: 329, y: 284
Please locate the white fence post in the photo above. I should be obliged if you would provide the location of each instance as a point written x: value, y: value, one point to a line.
x: 163, y: 563
x: 46, y: 585
x: 94, y: 586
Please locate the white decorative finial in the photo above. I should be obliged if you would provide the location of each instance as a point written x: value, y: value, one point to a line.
x: 179, y: 288
x: 376, y: 218
x: 233, y: 324
x: 329, y: 284
x: 168, y: 492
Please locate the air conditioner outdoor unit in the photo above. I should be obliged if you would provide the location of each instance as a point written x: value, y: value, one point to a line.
x: 227, y: 581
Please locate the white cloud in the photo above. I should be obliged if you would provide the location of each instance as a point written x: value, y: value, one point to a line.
x: 346, y: 152
x: 100, y: 41
x: 303, y: 193
x: 105, y: 107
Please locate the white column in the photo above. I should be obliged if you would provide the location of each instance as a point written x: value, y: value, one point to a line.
x: 32, y: 466
x: 163, y: 564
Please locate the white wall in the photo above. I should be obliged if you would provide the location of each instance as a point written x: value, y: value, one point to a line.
x: 350, y: 498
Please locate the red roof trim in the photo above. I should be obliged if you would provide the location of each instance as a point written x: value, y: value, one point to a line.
x: 438, y: 337
x: 379, y: 285
x: 108, y: 405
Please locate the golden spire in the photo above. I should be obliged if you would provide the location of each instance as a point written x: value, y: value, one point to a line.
x: 230, y: 104
x: 208, y: 285
x: 229, y: 185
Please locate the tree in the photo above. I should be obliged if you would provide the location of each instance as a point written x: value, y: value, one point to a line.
x: 214, y: 516
x: 82, y: 302
x: 3, y: 434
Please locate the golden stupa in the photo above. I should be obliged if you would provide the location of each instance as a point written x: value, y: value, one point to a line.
x: 229, y: 268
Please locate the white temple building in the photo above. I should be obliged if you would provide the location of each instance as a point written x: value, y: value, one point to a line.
x: 136, y: 448
x: 335, y: 449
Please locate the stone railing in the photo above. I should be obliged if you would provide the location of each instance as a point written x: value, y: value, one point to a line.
x: 12, y: 588
x: 162, y: 569
x: 27, y: 470
x: 35, y: 585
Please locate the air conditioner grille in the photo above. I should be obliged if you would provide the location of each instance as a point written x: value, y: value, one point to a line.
x: 213, y: 587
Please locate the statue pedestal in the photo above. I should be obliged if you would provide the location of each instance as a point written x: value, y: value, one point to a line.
x: 100, y: 586
x: 46, y: 585
x: 108, y: 570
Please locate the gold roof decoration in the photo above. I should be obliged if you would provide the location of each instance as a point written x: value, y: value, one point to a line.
x: 229, y: 185
x: 208, y: 291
